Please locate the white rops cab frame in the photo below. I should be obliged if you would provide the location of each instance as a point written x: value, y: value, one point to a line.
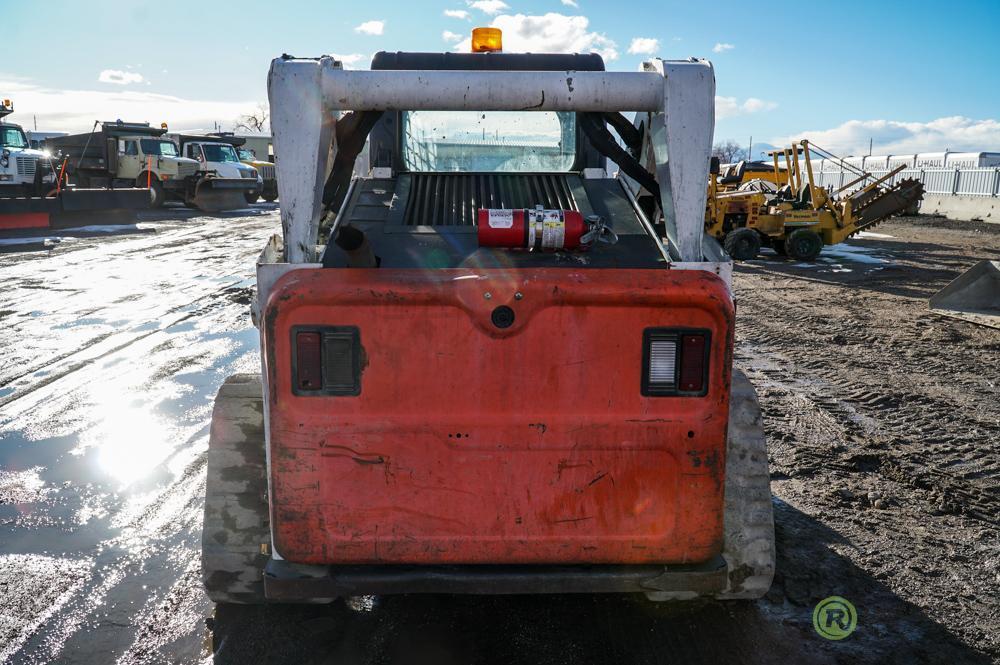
x: 308, y: 96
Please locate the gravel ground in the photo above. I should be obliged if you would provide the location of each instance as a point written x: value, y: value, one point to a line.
x: 882, y: 421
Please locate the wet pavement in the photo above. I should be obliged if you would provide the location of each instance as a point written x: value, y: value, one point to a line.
x: 112, y: 351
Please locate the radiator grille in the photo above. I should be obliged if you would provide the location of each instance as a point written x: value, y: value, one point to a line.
x: 267, y: 172
x: 452, y: 199
x: 185, y: 169
x: 26, y: 166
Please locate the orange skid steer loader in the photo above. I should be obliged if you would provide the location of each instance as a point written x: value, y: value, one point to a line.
x: 487, y: 365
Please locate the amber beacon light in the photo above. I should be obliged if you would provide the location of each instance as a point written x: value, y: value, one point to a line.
x: 485, y: 40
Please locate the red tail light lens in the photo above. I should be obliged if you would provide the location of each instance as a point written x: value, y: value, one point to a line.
x: 692, y: 377
x: 308, y: 361
x: 327, y: 360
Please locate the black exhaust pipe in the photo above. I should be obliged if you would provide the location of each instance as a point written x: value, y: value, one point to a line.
x: 355, y: 244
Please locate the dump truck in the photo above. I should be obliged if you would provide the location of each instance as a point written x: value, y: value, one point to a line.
x: 799, y: 218
x: 130, y: 154
x: 247, y: 155
x: 24, y: 171
x: 510, y: 375
x: 35, y: 194
x: 235, y: 183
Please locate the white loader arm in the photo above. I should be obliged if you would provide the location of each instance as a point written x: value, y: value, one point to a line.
x: 307, y: 96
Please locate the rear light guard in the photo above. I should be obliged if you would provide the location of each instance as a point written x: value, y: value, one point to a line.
x: 675, y: 362
x: 326, y: 361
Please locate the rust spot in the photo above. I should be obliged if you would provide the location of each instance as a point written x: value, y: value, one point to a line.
x: 541, y: 427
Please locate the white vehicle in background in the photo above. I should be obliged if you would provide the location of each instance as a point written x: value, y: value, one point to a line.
x: 218, y: 156
x: 23, y: 171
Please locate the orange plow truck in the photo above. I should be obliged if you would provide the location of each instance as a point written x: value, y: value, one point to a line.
x: 487, y: 365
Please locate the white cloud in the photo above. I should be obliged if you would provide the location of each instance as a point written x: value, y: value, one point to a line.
x: 488, y: 6
x: 728, y: 107
x: 450, y: 36
x: 349, y: 60
x: 644, y: 45
x: 571, y: 3
x: 722, y: 47
x: 457, y: 13
x: 119, y: 77
x: 371, y: 28
x: 76, y: 110
x: 901, y: 137
x: 551, y: 33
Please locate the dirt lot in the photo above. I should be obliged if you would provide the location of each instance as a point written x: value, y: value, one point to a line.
x: 883, y: 422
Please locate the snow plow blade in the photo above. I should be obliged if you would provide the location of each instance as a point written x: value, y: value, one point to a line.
x: 973, y: 296
x: 217, y: 194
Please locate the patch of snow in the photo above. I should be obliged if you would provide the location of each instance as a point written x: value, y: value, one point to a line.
x: 869, y: 234
x: 856, y: 253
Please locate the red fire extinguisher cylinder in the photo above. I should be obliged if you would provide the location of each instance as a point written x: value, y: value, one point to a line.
x: 530, y: 228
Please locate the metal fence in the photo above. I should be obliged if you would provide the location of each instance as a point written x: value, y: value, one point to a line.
x: 941, y: 181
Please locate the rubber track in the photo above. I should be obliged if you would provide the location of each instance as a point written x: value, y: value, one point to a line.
x: 749, y: 520
x: 236, y: 528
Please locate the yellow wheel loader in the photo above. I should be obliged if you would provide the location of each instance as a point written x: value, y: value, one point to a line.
x: 799, y: 218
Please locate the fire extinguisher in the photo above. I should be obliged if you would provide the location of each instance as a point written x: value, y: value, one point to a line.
x: 539, y: 229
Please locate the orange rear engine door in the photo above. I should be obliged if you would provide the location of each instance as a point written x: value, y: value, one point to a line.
x: 469, y: 439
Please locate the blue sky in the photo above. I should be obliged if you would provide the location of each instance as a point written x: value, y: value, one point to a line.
x: 914, y: 76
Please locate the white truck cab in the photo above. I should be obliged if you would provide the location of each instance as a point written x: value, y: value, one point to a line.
x: 22, y: 168
x: 222, y: 158
x: 225, y: 179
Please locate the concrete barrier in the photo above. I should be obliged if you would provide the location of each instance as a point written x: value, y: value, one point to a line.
x: 963, y: 208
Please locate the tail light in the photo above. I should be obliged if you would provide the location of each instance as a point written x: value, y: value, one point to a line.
x: 308, y: 361
x: 326, y: 361
x: 675, y: 362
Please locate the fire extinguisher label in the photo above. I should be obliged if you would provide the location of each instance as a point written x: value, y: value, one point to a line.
x: 501, y: 219
x: 553, y: 230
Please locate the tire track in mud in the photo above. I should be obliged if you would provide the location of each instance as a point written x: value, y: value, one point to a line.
x: 90, y: 290
x: 925, y: 429
x: 883, y: 422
